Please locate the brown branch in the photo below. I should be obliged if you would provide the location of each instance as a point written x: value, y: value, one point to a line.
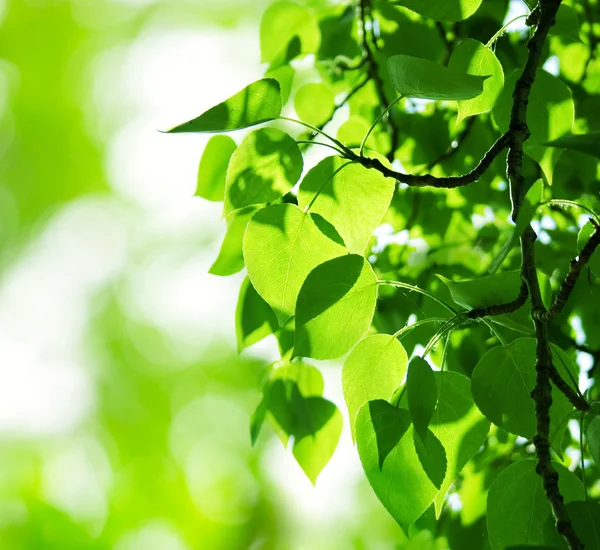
x: 502, y: 309
x: 542, y: 392
x: 427, y: 180
x: 577, y: 265
x: 575, y: 399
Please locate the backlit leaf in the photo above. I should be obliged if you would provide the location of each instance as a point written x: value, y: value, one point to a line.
x: 416, y: 77
x: 375, y: 369
x: 473, y: 57
x: 265, y: 166
x: 287, y: 30
x: 401, y: 484
x: 314, y: 103
x: 213, y: 168
x: 257, y: 103
x: 281, y: 247
x: 351, y: 197
x: 421, y: 393
x: 442, y: 10
x: 335, y: 307
x: 567, y: 23
x: 231, y: 259
x: 588, y: 144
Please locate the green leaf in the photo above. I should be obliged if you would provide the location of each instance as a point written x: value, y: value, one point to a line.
x: 389, y: 428
x: 517, y: 505
x: 213, y: 168
x: 585, y: 518
x: 307, y: 377
x: 282, y: 245
x: 254, y: 319
x: 313, y: 422
x: 502, y: 383
x: 550, y: 115
x: 592, y: 435
x: 588, y: 144
x: 567, y: 23
x: 421, y: 393
x: 442, y: 10
x: 257, y: 103
x: 314, y: 449
x: 314, y: 103
x: 432, y: 456
x: 375, y: 369
x: 582, y: 238
x: 265, y: 166
x: 499, y: 288
x: 473, y: 57
x: 402, y: 485
x: 459, y: 426
x: 287, y: 30
x: 335, y: 307
x: 231, y: 259
x: 284, y: 74
x: 416, y: 77
x: 351, y: 197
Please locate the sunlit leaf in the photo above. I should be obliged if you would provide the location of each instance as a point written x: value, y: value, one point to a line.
x: 335, y: 307
x: 281, y: 247
x: 401, y: 484
x: 265, y: 166
x: 287, y: 30
x: 421, y: 78
x: 375, y: 369
x: 257, y: 103
x: 422, y: 394
x: 351, y: 197
x: 231, y: 259
x: 314, y: 103
x: 442, y: 10
x: 473, y: 57
x: 254, y: 319
x: 518, y: 508
x: 567, y: 23
x: 213, y: 168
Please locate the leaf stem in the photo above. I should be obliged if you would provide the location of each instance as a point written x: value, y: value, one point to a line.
x: 319, y: 131
x: 417, y: 324
x: 407, y: 286
x: 310, y: 142
x: 563, y: 202
x: 383, y: 113
x: 504, y: 27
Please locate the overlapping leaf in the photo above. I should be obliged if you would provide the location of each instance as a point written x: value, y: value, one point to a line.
x: 212, y: 170
x: 442, y: 10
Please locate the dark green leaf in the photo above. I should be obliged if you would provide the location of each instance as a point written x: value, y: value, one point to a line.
x: 213, y: 168
x: 584, y: 143
x: 335, y: 307
x: 421, y: 393
x: 257, y: 103
x: 567, y: 23
x: 265, y: 166
x: 389, y: 428
x: 432, y: 456
x: 592, y: 435
x: 416, y: 77
x: 518, y: 508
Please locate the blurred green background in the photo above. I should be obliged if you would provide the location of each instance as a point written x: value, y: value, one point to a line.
x: 124, y: 409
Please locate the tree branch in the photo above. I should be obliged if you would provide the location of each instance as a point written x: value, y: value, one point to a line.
x: 502, y: 309
x: 577, y: 265
x: 542, y: 392
x: 427, y: 180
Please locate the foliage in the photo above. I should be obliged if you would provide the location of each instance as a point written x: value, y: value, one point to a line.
x: 484, y: 278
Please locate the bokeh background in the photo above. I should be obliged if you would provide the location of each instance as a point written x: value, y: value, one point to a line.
x: 124, y: 408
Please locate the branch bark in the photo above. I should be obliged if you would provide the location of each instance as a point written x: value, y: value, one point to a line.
x: 542, y: 392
